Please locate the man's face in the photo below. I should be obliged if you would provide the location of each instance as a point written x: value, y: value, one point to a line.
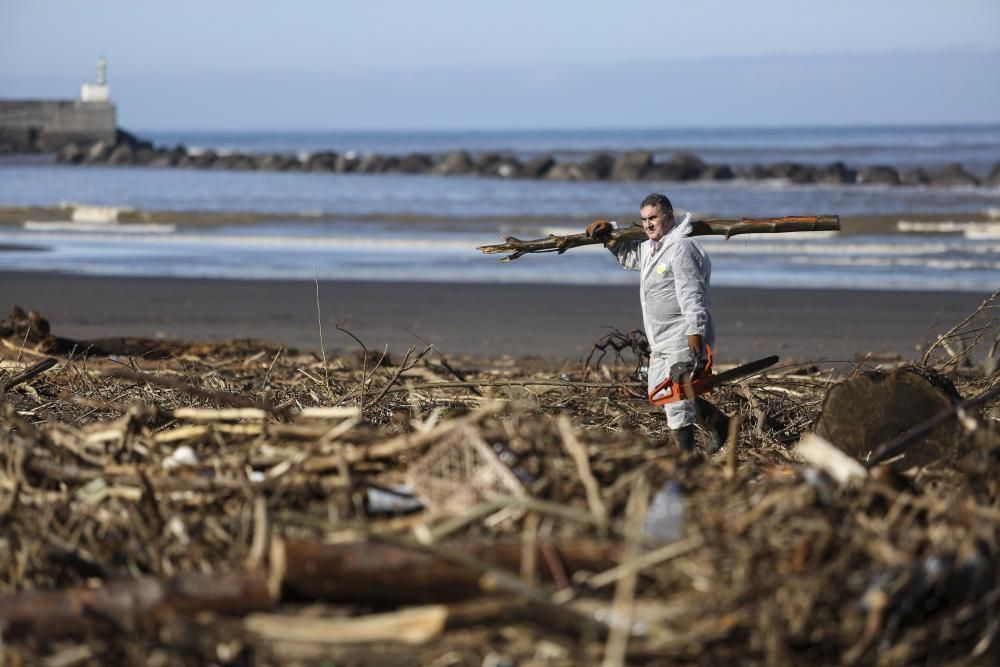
x: 655, y: 222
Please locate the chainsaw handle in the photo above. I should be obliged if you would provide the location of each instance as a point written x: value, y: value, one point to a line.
x: 667, y: 392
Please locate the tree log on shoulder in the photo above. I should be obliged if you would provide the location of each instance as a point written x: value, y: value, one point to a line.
x: 715, y: 227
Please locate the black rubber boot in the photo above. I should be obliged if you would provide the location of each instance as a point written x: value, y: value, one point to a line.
x: 716, y: 423
x: 683, y: 437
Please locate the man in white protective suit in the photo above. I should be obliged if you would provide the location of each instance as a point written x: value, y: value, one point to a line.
x: 675, y: 275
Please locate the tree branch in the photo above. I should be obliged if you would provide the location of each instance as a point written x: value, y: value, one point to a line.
x: 560, y: 244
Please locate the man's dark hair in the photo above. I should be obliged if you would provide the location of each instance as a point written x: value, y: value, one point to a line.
x: 656, y: 199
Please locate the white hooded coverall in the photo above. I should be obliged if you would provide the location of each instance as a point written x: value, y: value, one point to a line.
x: 674, y: 277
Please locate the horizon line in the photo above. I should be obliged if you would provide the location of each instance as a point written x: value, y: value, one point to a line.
x: 590, y: 128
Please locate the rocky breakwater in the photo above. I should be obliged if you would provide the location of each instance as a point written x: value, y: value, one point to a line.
x: 636, y: 165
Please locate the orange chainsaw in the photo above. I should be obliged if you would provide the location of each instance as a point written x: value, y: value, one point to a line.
x: 680, y: 385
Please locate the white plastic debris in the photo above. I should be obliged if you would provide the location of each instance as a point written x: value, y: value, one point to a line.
x: 182, y: 456
x: 665, y: 518
x: 176, y: 529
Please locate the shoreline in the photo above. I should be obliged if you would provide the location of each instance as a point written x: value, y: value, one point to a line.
x: 479, y: 320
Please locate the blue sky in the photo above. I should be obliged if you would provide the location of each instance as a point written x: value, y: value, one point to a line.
x: 446, y: 63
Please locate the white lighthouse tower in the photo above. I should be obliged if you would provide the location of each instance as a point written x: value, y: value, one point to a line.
x: 100, y: 91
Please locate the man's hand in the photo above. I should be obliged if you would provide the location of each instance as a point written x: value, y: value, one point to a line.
x: 696, y: 343
x: 600, y: 230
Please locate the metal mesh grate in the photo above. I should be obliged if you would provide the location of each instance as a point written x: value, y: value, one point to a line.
x: 461, y: 471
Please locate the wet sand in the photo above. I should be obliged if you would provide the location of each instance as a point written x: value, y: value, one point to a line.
x: 550, y: 321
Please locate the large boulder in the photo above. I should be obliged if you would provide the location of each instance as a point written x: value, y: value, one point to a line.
x: 276, y: 162
x: 71, y: 153
x: 683, y: 166
x: 836, y: 173
x: 121, y: 154
x: 322, y: 161
x: 631, y: 166
x: 690, y: 164
x: 178, y: 154
x: 496, y: 165
x: 598, y: 167
x: 486, y: 162
x: 223, y: 161
x: 374, y: 163
x: 793, y: 172
x: 509, y: 167
x: 415, y: 163
x: 664, y: 171
x: 952, y: 175
x: 754, y: 172
x: 144, y: 154
x: 347, y: 162
x: 914, y: 177
x: 203, y: 160
x: 566, y: 171
x: 718, y: 172
x: 878, y: 175
x: 455, y: 164
x: 994, y: 178
x: 538, y: 166
x: 238, y: 162
x: 123, y: 137
x: 872, y: 408
x: 162, y: 158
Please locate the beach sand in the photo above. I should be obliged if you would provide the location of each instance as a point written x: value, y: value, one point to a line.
x: 548, y: 321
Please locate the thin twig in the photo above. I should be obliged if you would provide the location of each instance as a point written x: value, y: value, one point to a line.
x: 322, y: 346
x: 28, y: 374
x: 590, y: 485
x: 951, y: 332
x: 624, y: 599
x: 402, y: 368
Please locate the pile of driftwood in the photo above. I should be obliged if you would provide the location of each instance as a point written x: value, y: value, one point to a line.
x: 245, y: 504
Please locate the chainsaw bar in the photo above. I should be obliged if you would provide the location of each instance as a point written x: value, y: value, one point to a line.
x: 742, y: 371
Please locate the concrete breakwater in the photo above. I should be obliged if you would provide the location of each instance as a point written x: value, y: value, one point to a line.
x: 635, y: 165
x: 29, y: 126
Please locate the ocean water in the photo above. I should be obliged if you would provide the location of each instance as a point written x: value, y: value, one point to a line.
x: 370, y: 239
x: 364, y: 250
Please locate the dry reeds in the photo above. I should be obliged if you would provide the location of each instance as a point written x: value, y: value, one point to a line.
x: 257, y: 468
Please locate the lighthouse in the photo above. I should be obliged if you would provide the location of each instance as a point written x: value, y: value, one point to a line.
x: 98, y: 92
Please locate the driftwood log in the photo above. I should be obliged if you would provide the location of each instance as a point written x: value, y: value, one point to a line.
x: 872, y: 408
x: 77, y: 610
x: 715, y: 227
x: 356, y: 572
x: 393, y: 574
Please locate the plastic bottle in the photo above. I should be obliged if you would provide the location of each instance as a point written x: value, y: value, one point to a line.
x: 665, y: 518
x: 398, y: 499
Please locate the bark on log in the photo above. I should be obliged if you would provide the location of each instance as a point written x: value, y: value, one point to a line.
x: 389, y: 574
x: 716, y: 227
x: 362, y: 572
x: 74, y: 610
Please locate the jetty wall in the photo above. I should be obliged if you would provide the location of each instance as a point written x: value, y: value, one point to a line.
x: 46, y: 125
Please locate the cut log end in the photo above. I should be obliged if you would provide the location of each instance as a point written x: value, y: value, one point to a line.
x: 862, y: 413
